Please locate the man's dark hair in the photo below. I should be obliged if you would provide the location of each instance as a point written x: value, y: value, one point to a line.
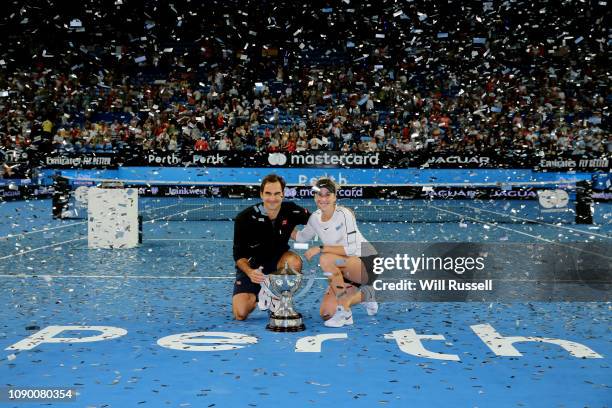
x: 272, y: 178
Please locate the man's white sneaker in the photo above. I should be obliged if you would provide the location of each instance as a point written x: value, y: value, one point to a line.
x: 369, y: 300
x: 371, y: 308
x: 341, y: 318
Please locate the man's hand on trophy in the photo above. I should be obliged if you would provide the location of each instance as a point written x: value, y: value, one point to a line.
x: 256, y: 275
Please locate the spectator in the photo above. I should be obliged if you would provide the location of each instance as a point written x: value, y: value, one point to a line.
x: 201, y: 145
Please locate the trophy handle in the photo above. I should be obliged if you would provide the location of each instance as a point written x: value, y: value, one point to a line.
x: 267, y: 289
x: 306, y: 288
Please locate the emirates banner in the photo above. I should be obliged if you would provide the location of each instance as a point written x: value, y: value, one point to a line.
x: 81, y: 160
x: 576, y: 163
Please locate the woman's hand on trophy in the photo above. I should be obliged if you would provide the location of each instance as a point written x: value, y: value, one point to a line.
x: 312, y: 252
x: 256, y: 275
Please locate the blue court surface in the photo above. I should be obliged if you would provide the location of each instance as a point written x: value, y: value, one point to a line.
x: 180, y: 281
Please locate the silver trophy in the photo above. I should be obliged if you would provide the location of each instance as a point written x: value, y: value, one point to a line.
x: 284, y: 283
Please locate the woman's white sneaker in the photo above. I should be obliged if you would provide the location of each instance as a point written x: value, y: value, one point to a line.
x: 341, y: 318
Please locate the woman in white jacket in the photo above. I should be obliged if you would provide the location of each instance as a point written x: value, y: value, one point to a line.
x: 345, y: 256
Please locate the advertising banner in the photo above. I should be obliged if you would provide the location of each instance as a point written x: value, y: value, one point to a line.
x: 81, y: 160
x: 319, y: 159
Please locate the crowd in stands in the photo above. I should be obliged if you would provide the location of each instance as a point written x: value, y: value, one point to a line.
x: 331, y: 76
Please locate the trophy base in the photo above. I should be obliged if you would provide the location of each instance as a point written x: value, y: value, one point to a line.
x: 286, y: 323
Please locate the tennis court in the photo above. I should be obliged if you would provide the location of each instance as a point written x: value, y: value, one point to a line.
x: 179, y: 281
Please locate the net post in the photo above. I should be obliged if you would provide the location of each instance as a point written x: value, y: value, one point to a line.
x: 139, y: 229
x: 61, y: 196
x: 584, y: 202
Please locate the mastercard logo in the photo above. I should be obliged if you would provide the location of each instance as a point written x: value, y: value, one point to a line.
x: 553, y: 198
x: 277, y: 159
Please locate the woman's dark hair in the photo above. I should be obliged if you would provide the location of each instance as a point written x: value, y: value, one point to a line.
x: 327, y: 183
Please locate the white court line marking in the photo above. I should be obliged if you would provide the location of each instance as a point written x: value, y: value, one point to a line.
x: 42, y: 247
x: 229, y: 240
x: 541, y: 222
x: 152, y: 239
x: 467, y: 217
x: 166, y: 217
x: 160, y: 208
x: 43, y: 276
x: 188, y: 239
x: 214, y: 240
x: 42, y: 230
x: 165, y: 277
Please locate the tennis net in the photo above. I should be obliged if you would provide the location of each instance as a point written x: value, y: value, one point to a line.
x: 432, y: 203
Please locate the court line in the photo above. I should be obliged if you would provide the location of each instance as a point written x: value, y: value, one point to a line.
x: 227, y: 240
x: 43, y: 230
x: 187, y: 239
x: 159, y: 208
x: 146, y: 240
x: 230, y: 240
x: 43, y: 276
x: 167, y: 277
x: 214, y: 240
x: 521, y: 232
x: 374, y: 241
x: 42, y: 247
x: 168, y: 216
x: 541, y: 222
